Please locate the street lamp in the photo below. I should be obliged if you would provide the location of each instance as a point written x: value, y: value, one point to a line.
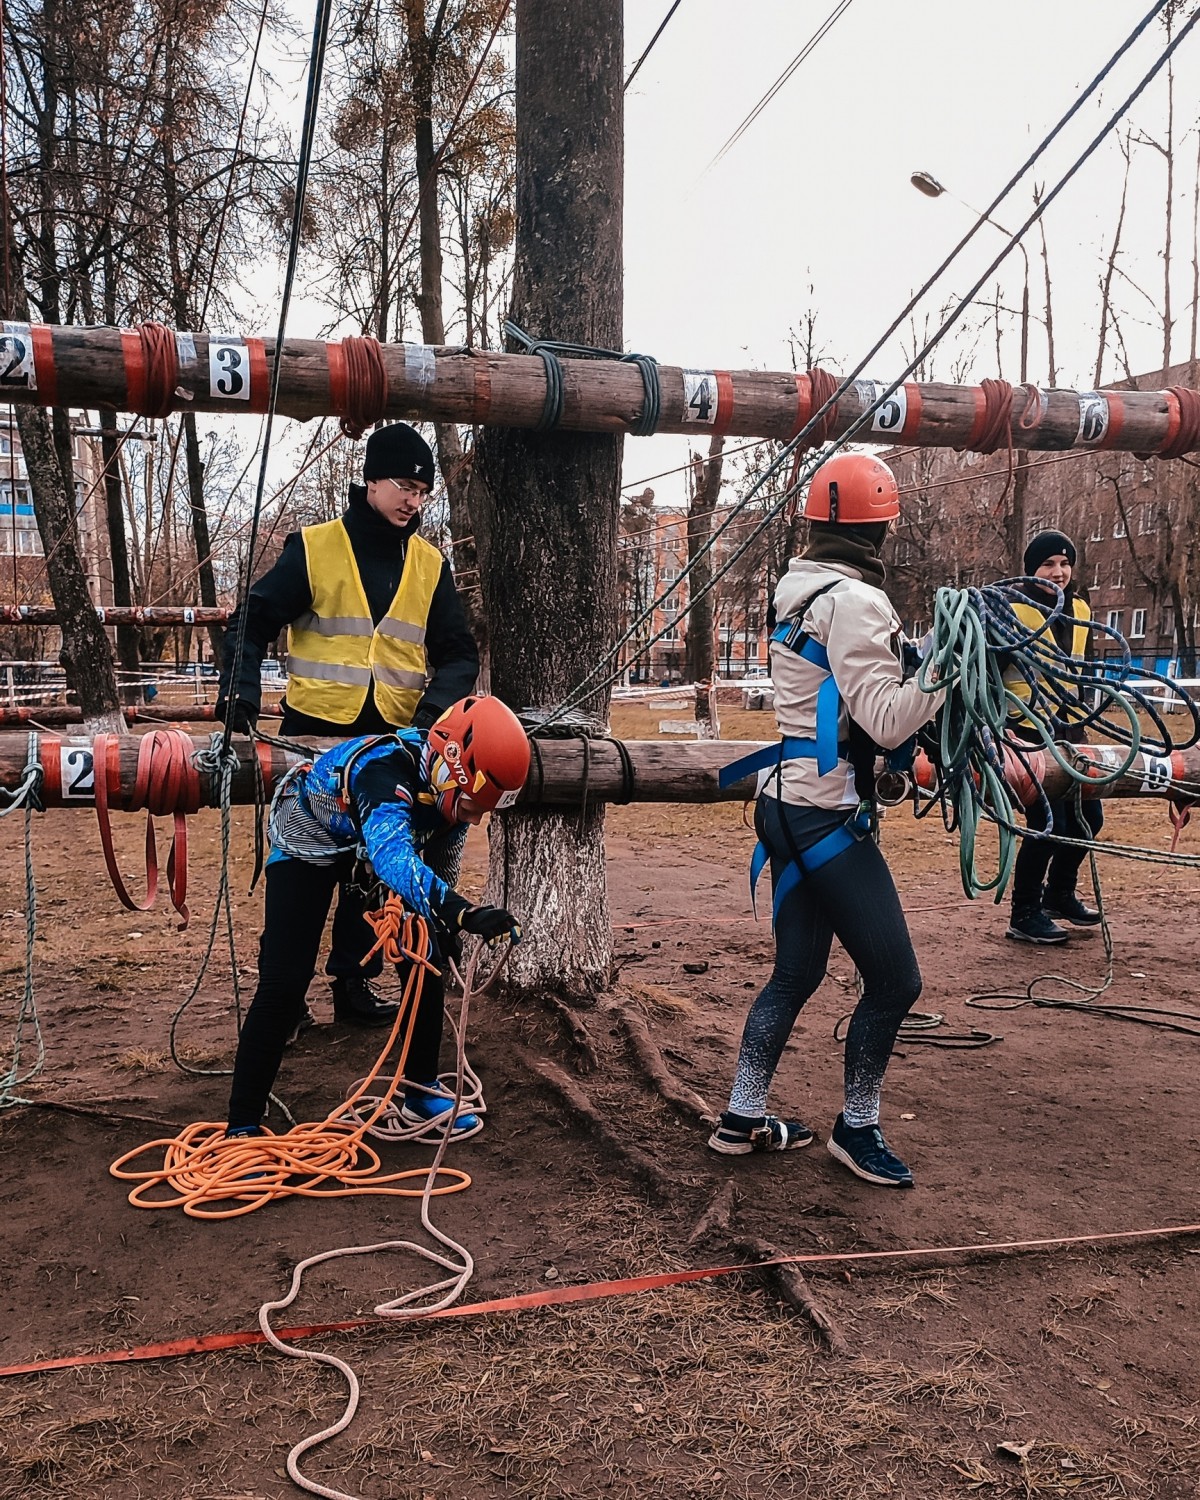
x: 926, y: 183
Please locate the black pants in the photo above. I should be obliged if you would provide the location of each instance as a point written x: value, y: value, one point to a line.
x: 853, y: 898
x: 1045, y: 869
x: 351, y: 939
x: 297, y: 903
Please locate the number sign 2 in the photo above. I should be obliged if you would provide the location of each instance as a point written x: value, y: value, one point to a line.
x: 17, y: 370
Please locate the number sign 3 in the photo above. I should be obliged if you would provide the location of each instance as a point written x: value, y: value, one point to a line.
x: 228, y: 369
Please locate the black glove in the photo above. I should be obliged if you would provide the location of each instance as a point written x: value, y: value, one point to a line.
x: 238, y: 714
x: 490, y: 923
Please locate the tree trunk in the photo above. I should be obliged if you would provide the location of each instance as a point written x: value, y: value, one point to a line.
x: 114, y: 507
x: 699, y: 659
x: 86, y: 654
x: 455, y: 470
x: 550, y: 502
x: 200, y: 535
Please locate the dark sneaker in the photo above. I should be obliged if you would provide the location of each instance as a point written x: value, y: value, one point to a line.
x: 421, y: 1106
x: 1070, y: 908
x: 1035, y: 927
x: 241, y: 1132
x: 306, y: 1022
x: 738, y: 1135
x: 356, y: 1002
x: 863, y: 1149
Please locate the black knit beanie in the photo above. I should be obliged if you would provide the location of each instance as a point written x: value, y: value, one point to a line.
x: 1044, y: 545
x: 398, y: 452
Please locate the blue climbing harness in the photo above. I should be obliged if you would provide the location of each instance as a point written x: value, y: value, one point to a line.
x: 825, y: 748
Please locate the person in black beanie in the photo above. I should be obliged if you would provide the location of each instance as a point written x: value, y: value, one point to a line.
x: 377, y: 640
x: 1045, y: 874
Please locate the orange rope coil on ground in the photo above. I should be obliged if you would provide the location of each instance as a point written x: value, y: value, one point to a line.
x: 211, y: 1177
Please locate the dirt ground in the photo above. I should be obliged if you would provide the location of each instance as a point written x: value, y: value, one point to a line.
x: 1071, y: 1124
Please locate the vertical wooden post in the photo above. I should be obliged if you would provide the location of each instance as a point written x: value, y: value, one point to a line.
x: 550, y: 500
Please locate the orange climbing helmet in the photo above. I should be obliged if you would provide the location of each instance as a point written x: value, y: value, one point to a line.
x: 852, y: 488
x: 478, y: 748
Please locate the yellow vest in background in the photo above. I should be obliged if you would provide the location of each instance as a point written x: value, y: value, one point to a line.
x: 334, y: 651
x: 1033, y: 618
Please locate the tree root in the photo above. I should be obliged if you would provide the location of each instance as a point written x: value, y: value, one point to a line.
x: 577, y: 1101
x: 651, y: 1060
x: 580, y: 1037
x: 717, y: 1221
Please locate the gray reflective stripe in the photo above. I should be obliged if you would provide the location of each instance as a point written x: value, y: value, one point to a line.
x: 334, y: 625
x: 394, y: 677
x: 329, y: 671
x: 402, y: 630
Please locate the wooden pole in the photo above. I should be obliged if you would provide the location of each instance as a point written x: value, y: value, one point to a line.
x: 93, y: 367
x: 150, y: 614
x: 560, y: 776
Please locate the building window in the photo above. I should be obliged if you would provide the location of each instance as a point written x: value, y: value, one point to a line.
x: 1119, y: 525
x: 1118, y: 573
x: 1147, y: 523
x: 1138, y: 629
x: 1097, y: 530
x: 1035, y: 525
x: 1095, y: 583
x: 1168, y: 621
x: 1113, y: 619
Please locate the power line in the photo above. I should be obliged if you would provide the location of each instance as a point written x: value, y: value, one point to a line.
x: 662, y: 26
x: 822, y: 31
x: 316, y: 68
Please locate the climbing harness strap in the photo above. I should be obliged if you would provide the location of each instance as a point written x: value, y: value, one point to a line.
x: 806, y: 861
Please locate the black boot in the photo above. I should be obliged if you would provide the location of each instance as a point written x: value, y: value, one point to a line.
x: 1067, y: 907
x: 356, y: 1002
x: 1030, y: 924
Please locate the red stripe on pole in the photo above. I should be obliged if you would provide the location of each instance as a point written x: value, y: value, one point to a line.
x: 724, y: 417
x: 43, y: 363
x: 260, y: 379
x: 135, y: 369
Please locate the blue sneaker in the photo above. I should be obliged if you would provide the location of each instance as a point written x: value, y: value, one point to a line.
x: 419, y: 1108
x: 240, y: 1132
x: 863, y: 1149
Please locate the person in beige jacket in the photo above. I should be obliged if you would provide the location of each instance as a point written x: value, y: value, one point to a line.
x: 840, y: 695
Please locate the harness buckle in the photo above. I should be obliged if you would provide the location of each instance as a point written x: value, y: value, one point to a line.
x: 760, y: 1137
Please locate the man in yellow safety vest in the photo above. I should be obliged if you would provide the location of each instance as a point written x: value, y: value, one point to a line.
x: 377, y: 640
x: 1046, y: 873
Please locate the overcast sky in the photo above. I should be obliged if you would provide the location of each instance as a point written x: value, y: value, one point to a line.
x: 719, y: 260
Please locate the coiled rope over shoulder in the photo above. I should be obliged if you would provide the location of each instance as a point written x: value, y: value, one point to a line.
x: 645, y: 424
x: 981, y: 767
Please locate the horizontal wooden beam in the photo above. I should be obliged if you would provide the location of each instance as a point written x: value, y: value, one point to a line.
x: 149, y: 614
x: 134, y: 372
x: 648, y: 771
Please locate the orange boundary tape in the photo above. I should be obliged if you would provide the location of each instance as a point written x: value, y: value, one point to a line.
x: 591, y: 1291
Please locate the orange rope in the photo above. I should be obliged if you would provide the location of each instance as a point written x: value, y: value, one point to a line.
x: 212, y: 1177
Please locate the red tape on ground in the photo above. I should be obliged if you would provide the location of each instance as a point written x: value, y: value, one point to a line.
x: 591, y: 1291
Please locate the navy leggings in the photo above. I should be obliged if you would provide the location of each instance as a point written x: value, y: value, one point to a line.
x: 298, y: 897
x: 854, y: 899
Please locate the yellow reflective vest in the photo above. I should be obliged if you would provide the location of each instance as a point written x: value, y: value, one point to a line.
x: 335, y: 653
x: 1033, y: 618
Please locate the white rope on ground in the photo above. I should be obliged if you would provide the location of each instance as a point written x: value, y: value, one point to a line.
x: 457, y: 1262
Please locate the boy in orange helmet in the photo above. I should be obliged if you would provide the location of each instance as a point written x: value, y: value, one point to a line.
x: 404, y: 801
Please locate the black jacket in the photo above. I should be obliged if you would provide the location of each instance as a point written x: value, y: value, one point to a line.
x: 282, y: 595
